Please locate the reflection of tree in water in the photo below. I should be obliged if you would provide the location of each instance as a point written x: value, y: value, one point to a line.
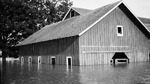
x: 3, y: 71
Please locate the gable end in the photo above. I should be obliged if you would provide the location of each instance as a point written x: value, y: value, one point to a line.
x: 135, y: 20
x: 129, y: 14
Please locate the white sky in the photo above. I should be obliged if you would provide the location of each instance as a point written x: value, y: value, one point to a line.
x: 138, y: 7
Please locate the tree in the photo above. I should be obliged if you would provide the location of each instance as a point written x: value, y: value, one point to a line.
x: 21, y: 18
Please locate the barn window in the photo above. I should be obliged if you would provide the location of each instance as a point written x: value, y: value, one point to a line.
x: 119, y: 30
x: 39, y: 60
x: 30, y: 59
x: 72, y: 13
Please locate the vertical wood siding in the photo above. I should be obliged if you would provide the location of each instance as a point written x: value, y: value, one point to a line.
x: 99, y: 44
x: 59, y: 48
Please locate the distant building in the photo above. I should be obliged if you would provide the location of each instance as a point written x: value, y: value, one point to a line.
x: 106, y: 35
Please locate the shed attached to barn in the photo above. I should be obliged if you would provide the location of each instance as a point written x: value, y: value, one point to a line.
x: 94, y: 37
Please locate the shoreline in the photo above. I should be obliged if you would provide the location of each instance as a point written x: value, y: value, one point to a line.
x: 10, y: 59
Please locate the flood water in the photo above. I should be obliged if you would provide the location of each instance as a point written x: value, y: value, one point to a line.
x: 13, y: 72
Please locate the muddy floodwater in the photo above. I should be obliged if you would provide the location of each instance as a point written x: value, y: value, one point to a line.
x: 12, y: 72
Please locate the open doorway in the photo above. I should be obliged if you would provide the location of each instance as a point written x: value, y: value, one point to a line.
x: 69, y: 61
x: 120, y: 57
x: 53, y: 60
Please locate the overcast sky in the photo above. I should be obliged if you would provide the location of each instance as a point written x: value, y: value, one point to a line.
x: 139, y: 7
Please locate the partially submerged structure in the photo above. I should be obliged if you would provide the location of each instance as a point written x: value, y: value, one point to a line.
x: 90, y: 37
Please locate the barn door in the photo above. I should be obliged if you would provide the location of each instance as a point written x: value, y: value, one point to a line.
x: 120, y: 57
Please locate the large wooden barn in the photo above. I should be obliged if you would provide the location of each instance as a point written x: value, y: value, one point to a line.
x: 105, y: 35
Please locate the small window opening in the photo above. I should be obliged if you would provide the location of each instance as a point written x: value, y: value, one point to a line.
x: 39, y: 60
x: 30, y: 60
x: 119, y: 30
x: 72, y: 13
x: 122, y: 60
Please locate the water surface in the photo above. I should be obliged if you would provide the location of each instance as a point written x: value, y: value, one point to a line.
x: 12, y: 72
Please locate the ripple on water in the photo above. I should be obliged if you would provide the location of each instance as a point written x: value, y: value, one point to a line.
x: 138, y: 73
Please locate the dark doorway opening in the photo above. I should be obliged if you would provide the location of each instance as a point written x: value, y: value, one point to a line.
x: 69, y: 61
x: 53, y: 61
x: 120, y: 57
x: 39, y: 61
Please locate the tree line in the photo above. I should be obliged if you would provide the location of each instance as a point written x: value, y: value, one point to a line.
x: 21, y: 18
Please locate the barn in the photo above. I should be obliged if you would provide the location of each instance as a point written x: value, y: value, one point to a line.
x: 106, y: 35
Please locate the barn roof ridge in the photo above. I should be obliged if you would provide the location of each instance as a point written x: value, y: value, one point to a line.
x: 74, y: 26
x: 81, y: 10
x: 143, y: 19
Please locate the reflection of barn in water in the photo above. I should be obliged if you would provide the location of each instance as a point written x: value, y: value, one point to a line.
x: 90, y: 37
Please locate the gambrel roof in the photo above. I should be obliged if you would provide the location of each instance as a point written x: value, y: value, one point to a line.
x: 76, y: 26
